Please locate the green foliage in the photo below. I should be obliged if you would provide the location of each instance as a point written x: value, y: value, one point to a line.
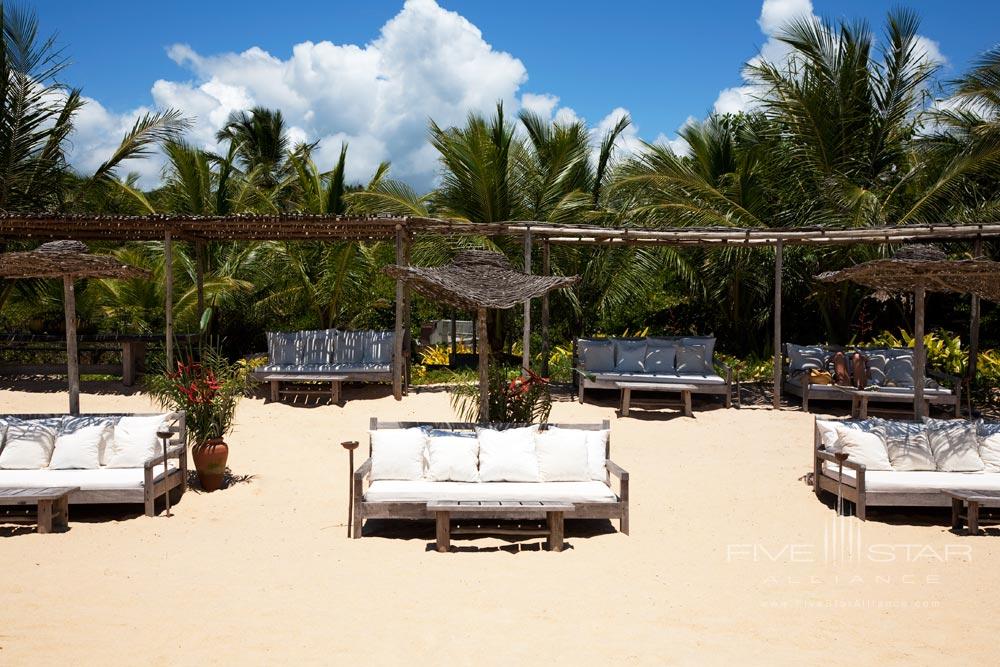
x: 944, y: 349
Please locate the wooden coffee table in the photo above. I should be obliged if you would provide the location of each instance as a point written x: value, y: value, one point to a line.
x: 52, y: 502
x: 275, y: 380
x: 973, y: 500
x: 663, y: 387
x: 500, y: 510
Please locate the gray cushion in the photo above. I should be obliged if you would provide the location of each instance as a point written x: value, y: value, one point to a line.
x: 878, y: 361
x: 660, y: 358
x: 596, y: 355
x: 691, y: 359
x: 806, y: 357
x: 986, y: 429
x: 318, y: 346
x: 350, y: 348
x: 283, y: 348
x: 630, y: 355
x: 378, y: 347
x: 708, y: 342
x: 899, y: 368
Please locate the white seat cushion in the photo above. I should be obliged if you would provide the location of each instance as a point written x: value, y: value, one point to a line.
x: 100, y: 479
x: 865, y: 447
x: 82, y: 448
x: 27, y: 445
x: 920, y: 481
x: 424, y: 491
x: 135, y: 441
x: 508, y: 456
x: 452, y: 458
x: 398, y: 453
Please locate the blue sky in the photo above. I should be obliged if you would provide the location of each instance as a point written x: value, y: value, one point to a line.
x: 661, y: 62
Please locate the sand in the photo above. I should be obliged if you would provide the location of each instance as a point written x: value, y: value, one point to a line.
x: 725, y: 562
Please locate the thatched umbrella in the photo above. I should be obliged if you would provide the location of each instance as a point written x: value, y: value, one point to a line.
x: 68, y: 260
x: 917, y: 269
x: 477, y: 280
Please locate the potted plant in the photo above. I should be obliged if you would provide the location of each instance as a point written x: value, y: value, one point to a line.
x: 207, y: 387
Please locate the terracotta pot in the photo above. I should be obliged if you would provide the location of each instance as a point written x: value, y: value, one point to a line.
x: 210, y: 461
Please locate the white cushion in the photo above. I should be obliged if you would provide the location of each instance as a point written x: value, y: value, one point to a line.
x: 562, y: 455
x: 398, y: 453
x: 73, y: 424
x: 597, y: 449
x: 27, y: 446
x: 920, y: 481
x: 989, y: 451
x: 422, y: 491
x: 956, y: 448
x: 135, y: 441
x: 81, y: 448
x: 452, y: 458
x: 508, y: 456
x: 99, y: 479
x: 910, y: 451
x: 828, y: 433
x: 864, y: 447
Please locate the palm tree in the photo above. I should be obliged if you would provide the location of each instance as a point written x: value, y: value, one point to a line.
x: 260, y: 141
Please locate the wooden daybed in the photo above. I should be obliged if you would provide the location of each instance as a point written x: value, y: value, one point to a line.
x: 408, y: 500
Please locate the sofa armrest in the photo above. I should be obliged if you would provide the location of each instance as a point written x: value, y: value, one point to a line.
x: 727, y: 370
x: 827, y: 456
x: 953, y: 380
x: 583, y: 373
x: 173, y: 452
x: 363, y: 471
x: 616, y: 470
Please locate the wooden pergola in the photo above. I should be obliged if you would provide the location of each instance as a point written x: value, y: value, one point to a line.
x: 403, y: 229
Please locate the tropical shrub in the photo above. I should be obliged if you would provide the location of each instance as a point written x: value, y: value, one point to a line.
x: 944, y: 349
x: 514, y: 398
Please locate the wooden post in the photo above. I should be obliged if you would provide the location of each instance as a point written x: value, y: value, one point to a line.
x: 406, y: 317
x: 199, y: 249
x: 454, y: 339
x: 977, y: 251
x: 779, y: 252
x: 168, y: 297
x: 919, y: 355
x: 397, y: 357
x: 484, y: 367
x: 72, y: 355
x: 546, y: 270
x: 526, y: 338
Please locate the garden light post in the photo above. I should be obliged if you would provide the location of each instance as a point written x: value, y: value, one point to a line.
x: 350, y: 446
x: 165, y: 437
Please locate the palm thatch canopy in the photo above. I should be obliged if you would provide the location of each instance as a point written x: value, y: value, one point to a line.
x: 65, y: 258
x: 478, y: 279
x: 914, y: 266
x: 68, y: 260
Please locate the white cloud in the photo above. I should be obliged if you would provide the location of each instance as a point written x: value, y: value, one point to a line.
x: 543, y: 105
x: 930, y: 50
x: 426, y: 62
x: 774, y: 14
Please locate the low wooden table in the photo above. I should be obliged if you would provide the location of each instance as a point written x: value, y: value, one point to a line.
x: 52, y: 502
x: 277, y: 378
x: 974, y: 500
x: 502, y: 510
x: 663, y: 387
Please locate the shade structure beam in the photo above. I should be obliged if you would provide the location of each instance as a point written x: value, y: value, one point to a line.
x: 919, y: 352
x: 526, y: 335
x: 168, y: 297
x: 778, y: 270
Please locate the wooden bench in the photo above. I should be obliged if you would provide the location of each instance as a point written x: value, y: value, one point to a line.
x: 685, y: 391
x: 499, y: 510
x: 277, y: 378
x: 52, y: 502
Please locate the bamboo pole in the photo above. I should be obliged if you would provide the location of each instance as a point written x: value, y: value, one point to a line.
x: 526, y: 336
x: 406, y: 317
x: 72, y: 354
x: 919, y: 354
x: 397, y: 357
x: 454, y: 338
x: 168, y: 296
x: 779, y: 252
x: 977, y: 252
x: 546, y: 270
x: 484, y: 367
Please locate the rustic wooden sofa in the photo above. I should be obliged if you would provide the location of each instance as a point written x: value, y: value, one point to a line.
x: 408, y: 500
x: 890, y: 377
x: 329, y: 356
x: 681, y: 360
x: 892, y: 488
x: 103, y: 485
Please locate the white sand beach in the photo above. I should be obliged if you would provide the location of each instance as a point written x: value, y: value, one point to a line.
x: 725, y: 562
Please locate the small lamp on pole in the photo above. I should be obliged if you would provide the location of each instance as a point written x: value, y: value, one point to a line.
x: 350, y: 446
